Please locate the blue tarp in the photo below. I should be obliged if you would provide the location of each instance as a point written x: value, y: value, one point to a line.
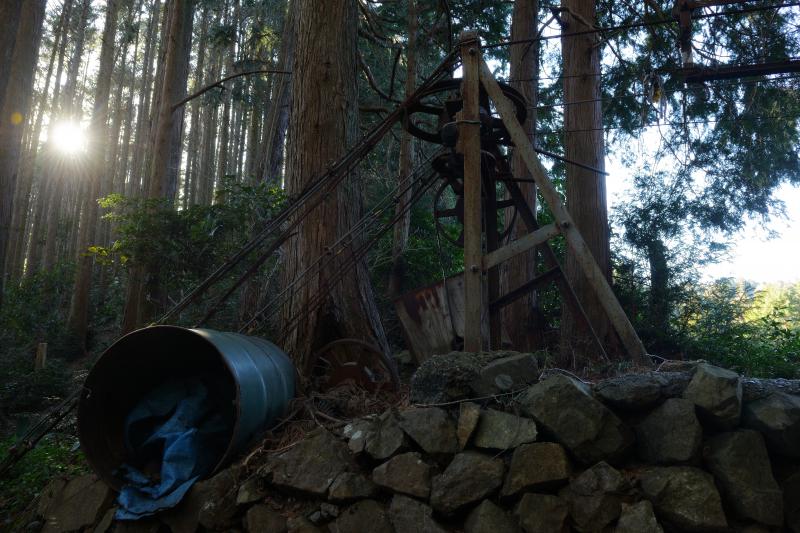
x: 174, y: 435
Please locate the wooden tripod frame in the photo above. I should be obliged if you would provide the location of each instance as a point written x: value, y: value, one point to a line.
x: 477, y: 73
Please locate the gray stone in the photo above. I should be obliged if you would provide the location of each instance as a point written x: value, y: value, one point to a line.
x: 685, y: 497
x: 356, y: 434
x: 50, y: 494
x: 407, y: 515
x: 469, y: 477
x: 565, y: 408
x: 447, y: 377
x: 638, y: 518
x: 406, y: 473
x: 144, y: 525
x: 431, y: 428
x: 638, y: 391
x: 216, y: 499
x: 594, y: 497
x: 671, y: 433
x: 506, y: 374
x: 741, y: 465
x: 260, y: 518
x: 468, y: 416
x: 536, y: 466
x: 777, y: 416
x: 385, y: 438
x: 717, y: 393
x: 301, y: 524
x: 366, y: 515
x: 105, y: 523
x: 351, y: 486
x: 81, y: 503
x: 758, y: 388
x: 489, y: 518
x: 791, y: 502
x: 541, y: 513
x: 310, y: 466
x: 503, y: 431
x: 252, y: 490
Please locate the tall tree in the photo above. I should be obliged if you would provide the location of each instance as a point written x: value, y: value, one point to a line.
x: 401, y: 228
x: 586, y: 189
x: 99, y: 149
x: 321, y: 127
x: 16, y: 103
x: 143, y: 284
x: 519, y: 318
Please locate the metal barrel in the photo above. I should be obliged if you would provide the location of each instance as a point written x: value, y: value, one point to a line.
x: 253, y: 383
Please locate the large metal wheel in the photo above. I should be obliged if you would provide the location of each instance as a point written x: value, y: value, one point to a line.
x: 354, y: 361
x: 438, y: 105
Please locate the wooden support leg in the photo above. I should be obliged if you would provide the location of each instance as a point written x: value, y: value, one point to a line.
x: 469, y: 144
x: 577, y: 245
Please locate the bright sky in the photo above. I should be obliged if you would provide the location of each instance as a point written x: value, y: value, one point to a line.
x: 754, y: 256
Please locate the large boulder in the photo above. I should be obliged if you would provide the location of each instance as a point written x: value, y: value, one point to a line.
x: 384, y: 438
x: 741, y: 465
x: 406, y: 473
x: 80, y: 503
x: 469, y: 414
x: 777, y: 416
x: 364, y: 515
x: 594, y: 497
x: 489, y: 518
x: 536, y: 466
x: 638, y: 518
x: 506, y: 374
x: 638, y: 392
x: 407, y: 515
x: 685, y: 497
x: 541, y: 513
x: 670, y: 434
x: 717, y: 393
x: 310, y: 466
x: 431, y: 428
x: 565, y: 408
x: 351, y: 486
x: 262, y: 518
x: 791, y: 502
x: 448, y: 377
x: 469, y: 477
x: 503, y: 431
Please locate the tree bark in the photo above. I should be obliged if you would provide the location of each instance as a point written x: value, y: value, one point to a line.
x: 401, y: 228
x: 78, y: 320
x: 277, y: 121
x: 322, y: 125
x: 143, y: 284
x: 520, y: 318
x: 586, y: 190
x: 15, y: 110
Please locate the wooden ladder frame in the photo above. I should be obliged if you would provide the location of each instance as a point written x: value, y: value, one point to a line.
x: 476, y: 264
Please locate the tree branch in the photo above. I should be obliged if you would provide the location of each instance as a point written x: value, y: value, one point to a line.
x: 372, y: 82
x: 218, y: 83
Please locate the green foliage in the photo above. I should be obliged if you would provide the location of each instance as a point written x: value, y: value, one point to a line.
x: 23, y: 390
x: 32, y: 312
x: 184, y: 246
x: 55, y: 455
x: 728, y: 323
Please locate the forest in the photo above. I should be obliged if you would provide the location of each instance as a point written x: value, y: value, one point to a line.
x: 215, y: 163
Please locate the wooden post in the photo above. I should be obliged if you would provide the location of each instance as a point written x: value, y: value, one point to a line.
x: 41, y: 357
x: 575, y: 241
x: 469, y: 145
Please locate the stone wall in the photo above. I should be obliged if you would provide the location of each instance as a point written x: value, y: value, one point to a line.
x: 694, y: 450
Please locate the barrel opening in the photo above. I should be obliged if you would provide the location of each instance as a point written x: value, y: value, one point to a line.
x: 134, y: 366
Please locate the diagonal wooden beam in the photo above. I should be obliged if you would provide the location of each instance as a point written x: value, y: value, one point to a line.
x: 523, y: 244
x: 575, y: 242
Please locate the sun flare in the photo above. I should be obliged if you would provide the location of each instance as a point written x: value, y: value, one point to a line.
x: 69, y: 138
